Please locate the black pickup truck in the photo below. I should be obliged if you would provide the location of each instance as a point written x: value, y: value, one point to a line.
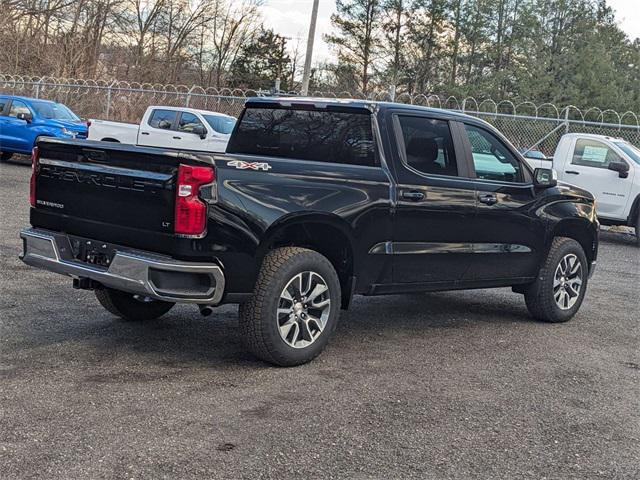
x: 314, y: 201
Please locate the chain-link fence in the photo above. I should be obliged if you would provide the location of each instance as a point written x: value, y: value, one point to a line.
x: 526, y: 124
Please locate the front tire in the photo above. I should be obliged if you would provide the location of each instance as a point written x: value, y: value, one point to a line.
x: 558, y: 292
x: 294, y: 308
x: 131, y: 307
x: 5, y: 156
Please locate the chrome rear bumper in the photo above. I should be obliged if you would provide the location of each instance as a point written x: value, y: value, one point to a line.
x: 133, y: 271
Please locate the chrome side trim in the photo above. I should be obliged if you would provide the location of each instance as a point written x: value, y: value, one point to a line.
x: 420, y: 248
x: 128, y: 271
x: 500, y: 248
x: 382, y: 248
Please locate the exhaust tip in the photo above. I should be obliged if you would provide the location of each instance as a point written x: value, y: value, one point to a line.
x: 205, y: 310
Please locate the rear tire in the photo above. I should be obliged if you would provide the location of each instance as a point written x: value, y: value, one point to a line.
x: 4, y: 156
x: 638, y: 229
x: 131, y: 307
x: 294, y: 308
x: 558, y: 292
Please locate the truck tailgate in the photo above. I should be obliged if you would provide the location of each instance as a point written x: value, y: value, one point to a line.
x: 117, y: 189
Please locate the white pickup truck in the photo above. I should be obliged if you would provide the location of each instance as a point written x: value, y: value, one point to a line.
x: 607, y: 167
x: 169, y: 127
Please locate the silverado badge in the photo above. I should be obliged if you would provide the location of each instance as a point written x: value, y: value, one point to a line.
x: 242, y: 165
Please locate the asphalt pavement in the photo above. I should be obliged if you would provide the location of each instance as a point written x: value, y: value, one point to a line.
x: 431, y: 386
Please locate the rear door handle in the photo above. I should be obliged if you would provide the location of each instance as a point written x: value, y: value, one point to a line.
x: 177, y: 138
x: 413, y: 195
x: 488, y: 198
x: 144, y: 133
x: 572, y: 172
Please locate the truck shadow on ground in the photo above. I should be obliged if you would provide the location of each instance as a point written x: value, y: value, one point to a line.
x: 619, y: 238
x: 184, y: 337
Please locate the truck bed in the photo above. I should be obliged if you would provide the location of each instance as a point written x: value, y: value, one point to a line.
x: 119, y: 131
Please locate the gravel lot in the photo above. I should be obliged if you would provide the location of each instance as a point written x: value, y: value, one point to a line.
x: 451, y: 385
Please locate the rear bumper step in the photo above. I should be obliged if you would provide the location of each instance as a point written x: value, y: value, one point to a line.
x: 133, y: 271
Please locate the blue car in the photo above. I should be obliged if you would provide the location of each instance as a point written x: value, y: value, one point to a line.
x: 23, y: 120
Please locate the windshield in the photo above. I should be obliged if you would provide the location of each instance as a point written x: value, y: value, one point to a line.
x: 54, y: 111
x: 222, y: 125
x: 630, y: 150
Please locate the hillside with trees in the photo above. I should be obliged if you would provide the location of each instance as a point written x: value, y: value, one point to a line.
x: 560, y: 51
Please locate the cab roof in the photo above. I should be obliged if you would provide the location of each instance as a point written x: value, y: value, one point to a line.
x: 189, y: 109
x: 27, y: 99
x: 321, y: 103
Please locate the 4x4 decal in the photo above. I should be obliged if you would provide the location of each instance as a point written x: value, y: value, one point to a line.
x: 242, y: 165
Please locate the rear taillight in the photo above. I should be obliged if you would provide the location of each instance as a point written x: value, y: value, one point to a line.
x: 35, y: 156
x: 191, y: 211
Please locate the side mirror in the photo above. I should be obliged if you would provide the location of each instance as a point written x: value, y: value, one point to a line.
x: 545, y: 177
x: 621, y: 167
x: 200, y: 131
x: 24, y: 116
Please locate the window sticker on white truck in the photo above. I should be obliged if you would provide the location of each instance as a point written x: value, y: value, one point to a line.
x: 595, y: 154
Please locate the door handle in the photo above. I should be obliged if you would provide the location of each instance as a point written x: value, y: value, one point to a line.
x: 144, y: 133
x: 177, y: 138
x: 572, y: 172
x: 413, y: 195
x: 488, y: 198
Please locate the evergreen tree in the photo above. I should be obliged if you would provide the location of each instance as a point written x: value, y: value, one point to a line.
x: 262, y: 61
x: 357, y: 40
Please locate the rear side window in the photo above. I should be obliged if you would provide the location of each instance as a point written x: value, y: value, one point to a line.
x: 591, y: 153
x: 164, y: 119
x: 3, y: 105
x: 321, y: 136
x: 428, y: 145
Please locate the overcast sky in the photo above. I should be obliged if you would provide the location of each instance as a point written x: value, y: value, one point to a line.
x: 291, y: 19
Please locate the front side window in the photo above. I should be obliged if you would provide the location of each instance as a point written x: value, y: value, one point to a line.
x: 591, y: 153
x: 3, y: 105
x: 317, y: 135
x: 188, y: 121
x: 164, y: 119
x: 18, y: 107
x: 491, y: 158
x: 428, y: 145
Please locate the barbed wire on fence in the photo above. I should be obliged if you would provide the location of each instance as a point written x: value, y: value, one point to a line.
x: 525, y: 123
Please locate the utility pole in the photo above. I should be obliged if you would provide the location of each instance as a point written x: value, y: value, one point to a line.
x: 307, y: 59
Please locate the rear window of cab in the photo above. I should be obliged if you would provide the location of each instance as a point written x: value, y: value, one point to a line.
x: 317, y: 135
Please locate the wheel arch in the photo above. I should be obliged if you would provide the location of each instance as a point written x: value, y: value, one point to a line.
x: 325, y: 233
x: 632, y: 219
x: 580, y: 230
